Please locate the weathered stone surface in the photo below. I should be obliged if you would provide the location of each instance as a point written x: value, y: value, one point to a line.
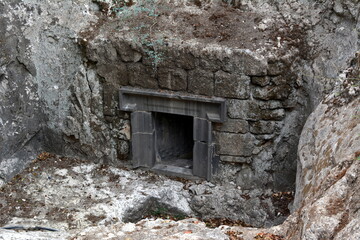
x: 280, y: 92
x: 246, y: 178
x: 126, y: 52
x: 142, y: 76
x: 231, y: 85
x: 233, y: 126
x: 142, y: 122
x: 261, y: 81
x: 201, y: 130
x: 185, y: 60
x: 254, y: 65
x: 173, y: 79
x: 328, y: 192
x: 275, y: 68
x: 49, y: 65
x: 262, y: 127
x: 201, y: 82
x: 251, y: 110
x: 154, y: 230
x: 233, y: 159
x: 110, y: 98
x: 235, y: 144
x: 115, y: 73
x: 21, y: 115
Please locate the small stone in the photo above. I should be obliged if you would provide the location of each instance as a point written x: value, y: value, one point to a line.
x: 129, y: 227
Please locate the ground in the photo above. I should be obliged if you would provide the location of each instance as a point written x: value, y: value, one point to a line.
x: 81, y: 199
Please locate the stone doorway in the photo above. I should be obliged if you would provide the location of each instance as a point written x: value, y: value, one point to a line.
x: 174, y: 143
x: 172, y: 133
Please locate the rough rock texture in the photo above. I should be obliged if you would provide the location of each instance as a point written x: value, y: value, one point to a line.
x: 156, y: 229
x: 64, y: 193
x: 60, y: 72
x: 20, y: 112
x: 328, y: 193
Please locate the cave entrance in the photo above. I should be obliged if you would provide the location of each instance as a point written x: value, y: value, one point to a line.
x: 171, y: 132
x: 174, y: 143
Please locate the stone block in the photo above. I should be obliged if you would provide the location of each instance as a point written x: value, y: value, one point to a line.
x: 233, y: 159
x: 200, y: 159
x: 115, y: 73
x: 110, y: 97
x: 235, y: 144
x: 126, y: 53
x: 142, y: 122
x: 209, y: 63
x: 233, y: 126
x: 275, y: 68
x: 201, y: 82
x: 253, y: 65
x: 185, y: 60
x: 252, y: 110
x: 202, y: 128
x: 246, y: 179
x: 173, y: 79
x: 262, y: 127
x: 232, y: 85
x: 143, y: 76
x: 261, y: 81
x: 143, y: 149
x: 273, y: 104
x: 280, y: 80
x: 280, y: 92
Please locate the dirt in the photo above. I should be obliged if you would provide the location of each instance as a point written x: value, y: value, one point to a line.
x: 218, y: 23
x: 69, y: 193
x: 14, y: 202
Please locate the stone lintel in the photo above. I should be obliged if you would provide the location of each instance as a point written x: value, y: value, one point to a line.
x: 135, y: 99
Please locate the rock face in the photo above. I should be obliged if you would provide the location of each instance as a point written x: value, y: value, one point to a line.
x: 20, y: 112
x: 327, y: 192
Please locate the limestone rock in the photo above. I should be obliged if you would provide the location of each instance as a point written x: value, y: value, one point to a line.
x: 231, y: 85
x: 173, y: 79
x: 328, y: 193
x: 201, y: 82
x: 236, y: 144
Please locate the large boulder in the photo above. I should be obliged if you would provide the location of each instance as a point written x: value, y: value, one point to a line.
x: 328, y: 183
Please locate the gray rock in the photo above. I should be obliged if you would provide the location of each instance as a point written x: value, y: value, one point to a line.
x: 231, y: 85
x: 233, y: 126
x: 142, y: 76
x: 262, y: 127
x: 280, y: 92
x: 201, y: 82
x: 233, y: 159
x: 252, y: 110
x: 173, y: 79
x: 261, y: 81
x: 235, y: 144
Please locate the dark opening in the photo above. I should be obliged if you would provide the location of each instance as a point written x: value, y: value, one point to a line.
x: 174, y: 140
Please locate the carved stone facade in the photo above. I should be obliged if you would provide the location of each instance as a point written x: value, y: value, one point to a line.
x: 254, y: 146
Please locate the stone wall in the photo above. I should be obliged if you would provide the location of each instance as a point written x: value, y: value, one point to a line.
x: 256, y: 144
